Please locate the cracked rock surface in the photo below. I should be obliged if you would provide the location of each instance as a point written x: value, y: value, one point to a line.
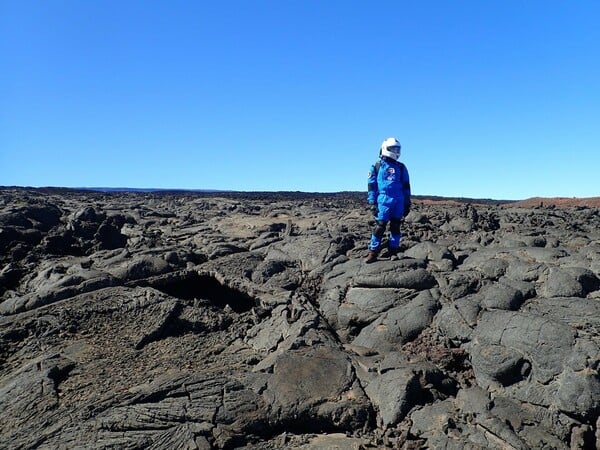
x: 250, y: 321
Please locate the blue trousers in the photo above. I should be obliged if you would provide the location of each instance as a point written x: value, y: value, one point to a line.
x: 388, y: 211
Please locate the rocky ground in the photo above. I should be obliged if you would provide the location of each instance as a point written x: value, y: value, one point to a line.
x: 197, y: 321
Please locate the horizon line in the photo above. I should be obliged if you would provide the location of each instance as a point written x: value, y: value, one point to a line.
x: 101, y: 189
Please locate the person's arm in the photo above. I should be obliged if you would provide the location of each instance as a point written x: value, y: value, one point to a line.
x: 406, y: 190
x: 372, y: 189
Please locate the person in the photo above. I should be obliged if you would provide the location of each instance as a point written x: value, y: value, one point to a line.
x: 389, y: 197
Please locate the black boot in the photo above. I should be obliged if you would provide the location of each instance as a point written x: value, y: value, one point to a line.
x: 371, y: 257
x: 393, y: 253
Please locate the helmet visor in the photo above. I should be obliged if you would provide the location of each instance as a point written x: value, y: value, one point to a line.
x: 394, y: 148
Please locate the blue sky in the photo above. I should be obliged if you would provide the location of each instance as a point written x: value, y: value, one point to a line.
x: 490, y: 99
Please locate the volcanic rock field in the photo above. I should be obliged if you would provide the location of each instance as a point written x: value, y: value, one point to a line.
x: 179, y: 320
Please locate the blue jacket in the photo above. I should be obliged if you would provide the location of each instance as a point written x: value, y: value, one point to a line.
x: 389, y: 183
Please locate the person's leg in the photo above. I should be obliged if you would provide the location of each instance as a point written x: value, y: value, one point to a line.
x: 395, y: 235
x: 381, y: 220
x: 395, y: 220
x: 377, y: 235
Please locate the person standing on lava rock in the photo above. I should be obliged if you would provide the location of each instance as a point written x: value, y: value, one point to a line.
x: 389, y: 197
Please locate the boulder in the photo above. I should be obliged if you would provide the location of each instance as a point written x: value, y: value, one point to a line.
x: 400, y: 324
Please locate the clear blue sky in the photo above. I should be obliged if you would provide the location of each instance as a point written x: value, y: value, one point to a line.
x: 495, y: 99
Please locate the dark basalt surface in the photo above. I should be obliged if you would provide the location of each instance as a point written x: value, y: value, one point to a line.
x: 230, y: 321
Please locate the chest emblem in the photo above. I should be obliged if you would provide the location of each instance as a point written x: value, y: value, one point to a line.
x: 390, y: 174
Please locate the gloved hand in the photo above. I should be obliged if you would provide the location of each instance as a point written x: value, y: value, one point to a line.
x: 374, y: 209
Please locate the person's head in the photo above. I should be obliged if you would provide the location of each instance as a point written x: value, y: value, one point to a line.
x: 390, y: 148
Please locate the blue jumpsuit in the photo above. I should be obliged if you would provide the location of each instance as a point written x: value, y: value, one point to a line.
x: 389, y: 189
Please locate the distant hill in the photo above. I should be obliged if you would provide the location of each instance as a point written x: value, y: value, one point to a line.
x: 593, y: 202
x: 590, y: 202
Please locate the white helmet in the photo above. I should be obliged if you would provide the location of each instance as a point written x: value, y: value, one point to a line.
x: 390, y: 148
